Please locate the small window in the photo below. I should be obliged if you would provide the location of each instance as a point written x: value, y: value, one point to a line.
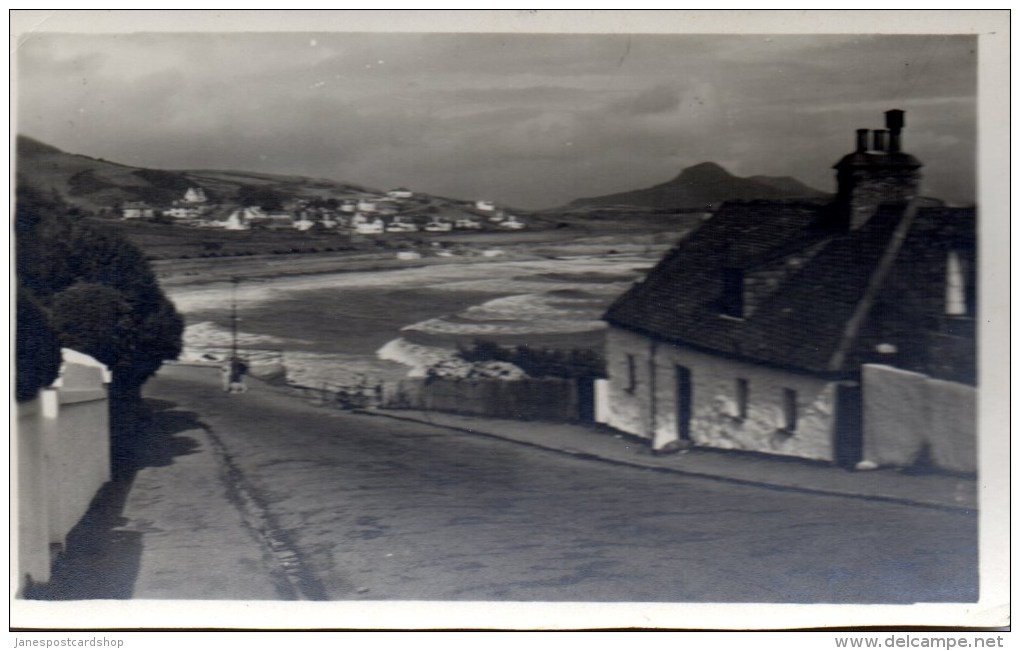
x: 732, y: 303
x: 789, y: 410
x: 631, y: 374
x: 743, y: 396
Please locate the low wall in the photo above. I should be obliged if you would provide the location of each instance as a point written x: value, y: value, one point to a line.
x: 910, y: 418
x: 63, y: 441
x: 33, y: 506
x: 79, y: 457
x: 526, y: 399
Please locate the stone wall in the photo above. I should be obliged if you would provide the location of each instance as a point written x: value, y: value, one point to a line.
x: 649, y: 407
x: 871, y: 188
x: 912, y: 419
x: 551, y: 399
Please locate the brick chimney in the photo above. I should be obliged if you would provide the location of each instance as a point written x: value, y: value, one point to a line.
x: 885, y: 174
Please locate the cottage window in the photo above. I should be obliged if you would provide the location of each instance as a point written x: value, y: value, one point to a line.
x: 959, y: 289
x: 743, y: 396
x: 789, y: 410
x: 732, y: 303
x: 631, y: 373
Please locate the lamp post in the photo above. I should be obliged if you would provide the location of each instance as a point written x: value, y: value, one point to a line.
x: 233, y: 319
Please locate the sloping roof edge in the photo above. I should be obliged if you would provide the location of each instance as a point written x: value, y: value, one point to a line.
x: 878, y: 276
x: 832, y: 375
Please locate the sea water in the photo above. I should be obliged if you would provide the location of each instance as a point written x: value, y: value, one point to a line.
x: 361, y: 328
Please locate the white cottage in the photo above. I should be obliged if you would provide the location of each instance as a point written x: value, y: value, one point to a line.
x: 752, y: 332
x: 400, y: 193
x: 137, y: 210
x: 195, y: 195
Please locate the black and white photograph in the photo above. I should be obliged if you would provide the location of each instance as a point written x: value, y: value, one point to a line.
x: 521, y: 320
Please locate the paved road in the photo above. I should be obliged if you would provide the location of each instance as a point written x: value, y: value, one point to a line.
x: 357, y: 507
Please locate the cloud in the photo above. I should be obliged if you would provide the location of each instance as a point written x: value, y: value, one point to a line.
x: 659, y: 99
x: 529, y: 120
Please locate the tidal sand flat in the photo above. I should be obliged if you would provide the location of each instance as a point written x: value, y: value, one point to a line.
x: 376, y: 326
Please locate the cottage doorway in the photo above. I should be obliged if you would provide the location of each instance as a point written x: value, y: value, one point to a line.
x: 586, y: 399
x: 683, y: 403
x: 849, y: 434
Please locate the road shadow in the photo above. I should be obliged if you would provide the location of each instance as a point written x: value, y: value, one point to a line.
x: 99, y: 559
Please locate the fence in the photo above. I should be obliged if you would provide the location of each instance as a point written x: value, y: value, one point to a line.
x: 526, y: 399
x: 912, y: 419
x: 357, y: 396
x: 63, y: 442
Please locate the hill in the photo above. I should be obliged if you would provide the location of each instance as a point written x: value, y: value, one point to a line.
x: 95, y: 184
x: 703, y: 185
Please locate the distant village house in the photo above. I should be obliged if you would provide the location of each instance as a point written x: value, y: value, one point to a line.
x: 184, y: 212
x: 400, y: 193
x: 195, y: 195
x: 137, y: 210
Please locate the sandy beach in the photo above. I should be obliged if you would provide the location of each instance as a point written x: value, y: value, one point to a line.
x: 341, y: 321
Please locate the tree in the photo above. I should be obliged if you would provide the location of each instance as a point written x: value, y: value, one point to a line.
x: 104, y: 297
x: 263, y: 197
x: 94, y: 319
x: 36, y: 348
x: 540, y: 362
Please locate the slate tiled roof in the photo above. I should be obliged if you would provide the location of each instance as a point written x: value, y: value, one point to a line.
x: 818, y: 315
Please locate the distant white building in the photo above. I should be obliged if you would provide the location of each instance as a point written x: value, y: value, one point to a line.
x: 364, y: 226
x: 485, y: 205
x: 183, y: 212
x: 303, y: 223
x: 400, y: 193
x: 137, y: 210
x: 195, y: 195
x: 402, y: 225
x: 366, y: 205
x: 512, y: 223
x: 242, y: 218
x: 438, y: 226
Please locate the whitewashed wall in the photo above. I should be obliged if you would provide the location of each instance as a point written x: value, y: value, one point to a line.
x: 63, y: 441
x: 715, y: 422
x: 909, y: 415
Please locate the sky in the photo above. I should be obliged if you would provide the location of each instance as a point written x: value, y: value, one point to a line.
x: 526, y: 120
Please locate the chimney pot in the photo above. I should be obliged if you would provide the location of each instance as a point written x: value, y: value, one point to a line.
x: 862, y: 140
x: 895, y: 120
x: 879, y: 139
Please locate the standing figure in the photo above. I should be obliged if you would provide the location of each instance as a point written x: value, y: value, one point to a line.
x: 225, y: 376
x: 237, y: 371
